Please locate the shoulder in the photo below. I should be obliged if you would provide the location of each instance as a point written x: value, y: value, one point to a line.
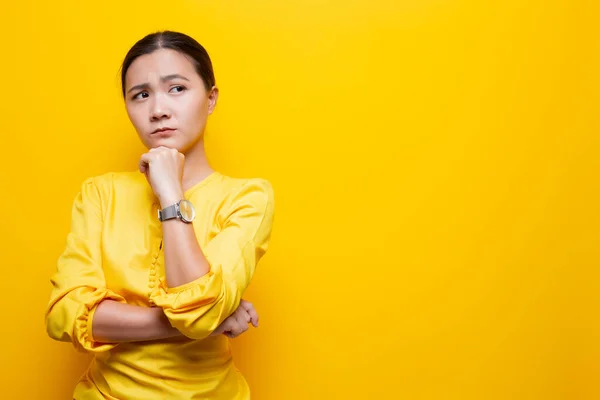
x: 109, y: 178
x: 253, y: 189
x: 106, y: 185
x: 254, y: 195
x: 118, y: 179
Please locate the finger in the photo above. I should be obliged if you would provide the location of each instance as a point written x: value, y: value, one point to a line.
x: 147, y: 158
x: 238, y: 329
x: 241, y: 322
x: 242, y: 316
x: 143, y: 165
x: 249, y: 308
x: 234, y: 328
x: 221, y: 328
x: 227, y: 326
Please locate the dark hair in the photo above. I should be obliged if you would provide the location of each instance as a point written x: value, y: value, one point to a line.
x: 174, y: 41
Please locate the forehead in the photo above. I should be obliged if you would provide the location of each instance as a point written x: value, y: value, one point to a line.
x: 162, y: 62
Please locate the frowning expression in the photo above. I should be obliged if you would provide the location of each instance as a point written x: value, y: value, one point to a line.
x: 167, y: 101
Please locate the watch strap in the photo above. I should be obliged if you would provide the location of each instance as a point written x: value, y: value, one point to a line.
x: 169, y: 212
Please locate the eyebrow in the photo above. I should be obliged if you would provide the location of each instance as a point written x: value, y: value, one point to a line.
x: 162, y: 79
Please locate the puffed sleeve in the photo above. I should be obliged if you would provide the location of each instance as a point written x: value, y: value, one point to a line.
x: 78, y: 284
x: 197, y: 308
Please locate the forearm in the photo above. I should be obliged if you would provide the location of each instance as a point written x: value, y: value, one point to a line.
x: 184, y: 260
x: 117, y: 322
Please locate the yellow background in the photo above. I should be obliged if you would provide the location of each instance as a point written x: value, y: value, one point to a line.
x: 435, y: 165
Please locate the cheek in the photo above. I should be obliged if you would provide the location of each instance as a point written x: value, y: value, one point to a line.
x: 195, y: 112
x: 136, y: 117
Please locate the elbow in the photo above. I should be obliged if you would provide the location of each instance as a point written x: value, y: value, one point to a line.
x: 200, y: 321
x: 58, y: 335
x: 194, y: 331
x: 56, y: 327
x: 198, y: 308
x: 71, y: 326
x: 52, y: 332
x: 68, y: 319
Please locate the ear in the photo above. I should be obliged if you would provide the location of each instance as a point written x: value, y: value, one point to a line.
x: 213, y: 95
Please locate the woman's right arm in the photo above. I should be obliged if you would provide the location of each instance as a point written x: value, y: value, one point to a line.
x: 115, y: 322
x: 82, y: 310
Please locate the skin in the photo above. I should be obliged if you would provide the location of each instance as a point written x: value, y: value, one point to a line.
x: 169, y: 105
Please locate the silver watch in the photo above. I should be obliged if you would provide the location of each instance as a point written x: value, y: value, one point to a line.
x: 183, y: 209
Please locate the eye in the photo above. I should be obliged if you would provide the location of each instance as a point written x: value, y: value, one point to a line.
x: 140, y: 95
x: 177, y: 89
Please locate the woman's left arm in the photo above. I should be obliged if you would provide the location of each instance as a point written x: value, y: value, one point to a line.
x: 205, y: 285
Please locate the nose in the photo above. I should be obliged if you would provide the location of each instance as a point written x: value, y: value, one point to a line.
x: 159, y: 109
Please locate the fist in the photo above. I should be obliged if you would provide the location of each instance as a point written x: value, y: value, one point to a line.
x: 238, y: 322
x: 163, y: 168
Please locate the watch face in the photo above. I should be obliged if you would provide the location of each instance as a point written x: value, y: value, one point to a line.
x: 187, y: 211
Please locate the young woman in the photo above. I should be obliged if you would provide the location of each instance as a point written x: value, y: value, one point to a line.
x: 157, y: 260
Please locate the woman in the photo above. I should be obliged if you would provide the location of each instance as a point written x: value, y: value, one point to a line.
x: 156, y: 262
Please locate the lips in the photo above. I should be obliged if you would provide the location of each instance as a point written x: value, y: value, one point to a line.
x: 161, y: 130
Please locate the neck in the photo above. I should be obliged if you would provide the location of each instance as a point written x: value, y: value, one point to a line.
x: 196, y: 167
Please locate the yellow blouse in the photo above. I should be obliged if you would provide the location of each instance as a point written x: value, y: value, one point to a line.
x: 114, y: 251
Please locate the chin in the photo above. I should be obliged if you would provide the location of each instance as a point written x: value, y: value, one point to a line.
x: 165, y: 142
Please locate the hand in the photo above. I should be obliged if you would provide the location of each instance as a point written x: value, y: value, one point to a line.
x: 237, y: 323
x: 163, y: 168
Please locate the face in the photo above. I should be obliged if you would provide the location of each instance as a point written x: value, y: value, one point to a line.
x: 167, y: 101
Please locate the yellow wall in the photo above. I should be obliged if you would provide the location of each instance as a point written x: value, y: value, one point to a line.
x: 436, y: 171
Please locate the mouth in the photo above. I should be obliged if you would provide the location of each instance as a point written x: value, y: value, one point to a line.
x: 163, y: 131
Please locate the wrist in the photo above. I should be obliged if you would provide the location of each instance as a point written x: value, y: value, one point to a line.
x: 170, y: 199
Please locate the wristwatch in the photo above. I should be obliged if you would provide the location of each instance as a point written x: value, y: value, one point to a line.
x: 183, y: 209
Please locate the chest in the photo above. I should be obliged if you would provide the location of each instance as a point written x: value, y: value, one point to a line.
x: 132, y: 246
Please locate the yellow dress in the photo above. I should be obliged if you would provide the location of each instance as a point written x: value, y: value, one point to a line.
x: 114, y: 251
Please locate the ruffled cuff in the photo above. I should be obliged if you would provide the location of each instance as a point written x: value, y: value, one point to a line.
x: 83, y: 323
x: 187, y: 305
